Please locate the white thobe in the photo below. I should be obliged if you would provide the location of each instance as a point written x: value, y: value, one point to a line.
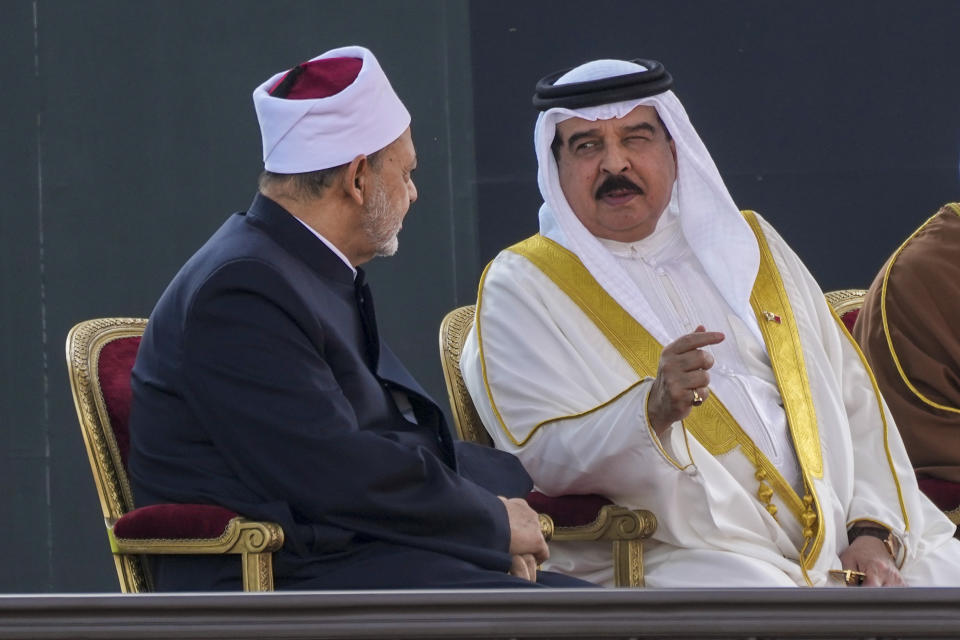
x: 559, y: 403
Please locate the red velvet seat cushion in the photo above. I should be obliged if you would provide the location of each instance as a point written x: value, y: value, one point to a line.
x: 174, y: 521
x: 113, y: 371
x: 943, y: 493
x: 850, y: 318
x: 568, y: 511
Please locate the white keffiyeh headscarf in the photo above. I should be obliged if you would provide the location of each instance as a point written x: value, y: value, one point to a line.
x: 716, y: 232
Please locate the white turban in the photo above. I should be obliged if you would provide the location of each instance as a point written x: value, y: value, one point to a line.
x: 302, y: 135
x: 716, y: 232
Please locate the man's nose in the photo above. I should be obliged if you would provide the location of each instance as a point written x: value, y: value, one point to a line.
x: 412, y: 191
x: 614, y: 160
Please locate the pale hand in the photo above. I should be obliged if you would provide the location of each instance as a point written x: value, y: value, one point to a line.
x: 524, y: 567
x: 526, y: 538
x: 870, y: 555
x: 681, y: 373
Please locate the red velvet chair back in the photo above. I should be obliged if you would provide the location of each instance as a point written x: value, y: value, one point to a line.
x: 846, y: 304
x: 100, y: 356
x: 850, y: 318
x: 113, y: 372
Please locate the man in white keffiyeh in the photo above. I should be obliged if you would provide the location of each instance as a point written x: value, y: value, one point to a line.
x: 654, y: 345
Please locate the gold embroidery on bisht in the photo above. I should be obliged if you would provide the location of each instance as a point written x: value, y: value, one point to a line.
x: 770, y: 301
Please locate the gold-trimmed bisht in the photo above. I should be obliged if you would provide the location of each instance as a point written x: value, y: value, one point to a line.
x: 711, y: 423
x: 955, y: 207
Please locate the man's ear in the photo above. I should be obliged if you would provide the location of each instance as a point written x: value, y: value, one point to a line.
x: 356, y: 178
x: 673, y: 150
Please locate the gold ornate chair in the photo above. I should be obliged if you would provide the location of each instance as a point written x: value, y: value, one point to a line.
x: 100, y: 356
x: 846, y: 303
x: 573, y: 517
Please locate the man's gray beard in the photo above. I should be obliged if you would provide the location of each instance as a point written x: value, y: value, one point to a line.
x: 377, y: 223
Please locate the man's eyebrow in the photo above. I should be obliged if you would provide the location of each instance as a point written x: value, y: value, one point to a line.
x: 580, y: 135
x: 638, y: 127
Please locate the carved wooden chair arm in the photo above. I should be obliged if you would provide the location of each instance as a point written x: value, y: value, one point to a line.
x: 625, y: 528
x: 253, y: 541
x: 613, y: 523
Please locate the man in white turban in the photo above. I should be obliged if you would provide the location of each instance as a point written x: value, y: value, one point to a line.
x: 261, y: 384
x: 654, y: 345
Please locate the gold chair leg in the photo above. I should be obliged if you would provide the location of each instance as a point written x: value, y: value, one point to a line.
x: 628, y: 563
x: 257, y: 571
x: 131, y: 574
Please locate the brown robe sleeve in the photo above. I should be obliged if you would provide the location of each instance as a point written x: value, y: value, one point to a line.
x: 922, y: 305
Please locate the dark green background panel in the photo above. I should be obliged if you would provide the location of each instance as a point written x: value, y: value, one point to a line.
x: 148, y: 141
x: 25, y: 509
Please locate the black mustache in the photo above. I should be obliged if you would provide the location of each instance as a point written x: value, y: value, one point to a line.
x: 617, y: 183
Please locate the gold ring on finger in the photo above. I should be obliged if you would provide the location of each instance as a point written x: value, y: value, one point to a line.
x: 697, y: 400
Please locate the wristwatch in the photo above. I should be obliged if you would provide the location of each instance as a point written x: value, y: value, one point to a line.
x: 890, y: 541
